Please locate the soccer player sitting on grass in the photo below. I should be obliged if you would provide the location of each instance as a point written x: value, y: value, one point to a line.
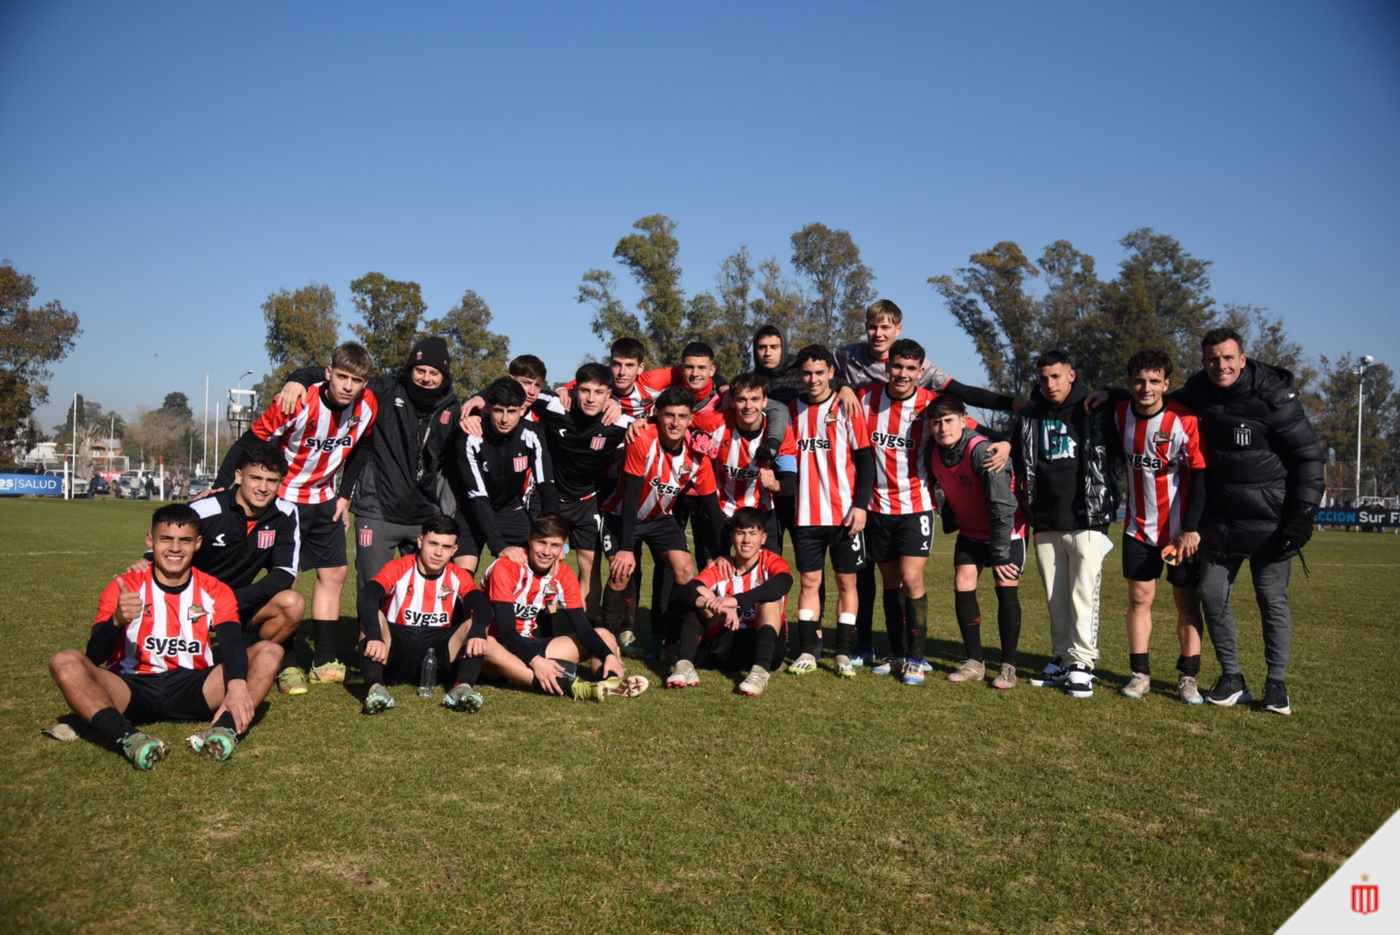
x: 738, y: 615
x: 419, y: 603
x: 150, y: 656
x: 516, y: 650
x: 315, y: 438
x: 982, y: 505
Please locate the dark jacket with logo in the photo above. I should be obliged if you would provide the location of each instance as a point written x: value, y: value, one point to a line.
x: 394, y: 475
x: 1087, y: 495
x: 1265, y: 460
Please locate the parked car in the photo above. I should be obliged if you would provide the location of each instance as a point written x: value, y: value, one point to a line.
x: 199, y: 484
x: 130, y: 486
x: 98, y: 486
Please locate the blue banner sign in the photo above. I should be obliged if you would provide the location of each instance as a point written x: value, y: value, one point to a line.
x: 1365, y: 516
x: 43, y: 485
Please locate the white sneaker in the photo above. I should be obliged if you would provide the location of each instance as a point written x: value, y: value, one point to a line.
x: 1079, y: 681
x: 755, y: 683
x: 1140, y: 684
x: 803, y: 664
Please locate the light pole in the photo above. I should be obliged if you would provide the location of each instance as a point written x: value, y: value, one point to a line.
x: 1362, y: 364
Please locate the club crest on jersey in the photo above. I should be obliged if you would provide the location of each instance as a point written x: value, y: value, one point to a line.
x: 265, y: 538
x: 354, y: 421
x: 196, y: 613
x: 444, y: 418
x: 550, y: 593
x: 520, y: 464
x: 445, y: 597
x: 832, y: 415
x: 1161, y: 438
x: 597, y: 442
x: 1243, y: 436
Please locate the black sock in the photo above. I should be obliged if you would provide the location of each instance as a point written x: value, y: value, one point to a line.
x: 671, y: 623
x: 614, y: 610
x: 692, y: 632
x: 1189, y: 665
x: 969, y: 622
x: 916, y: 625
x: 821, y: 598
x: 809, y: 637
x: 845, y: 639
x: 112, y: 724
x: 629, y: 611
x: 1009, y: 622
x: 865, y: 609
x: 226, y: 720
x: 323, y: 632
x: 663, y: 582
x: 765, y: 649
x: 1137, y: 662
x: 894, y: 619
x: 371, y: 670
x: 467, y: 670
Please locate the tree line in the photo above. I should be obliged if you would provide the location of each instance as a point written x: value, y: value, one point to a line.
x: 1011, y: 308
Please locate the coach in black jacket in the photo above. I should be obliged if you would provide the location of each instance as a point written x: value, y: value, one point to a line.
x: 392, y: 481
x: 1264, y: 485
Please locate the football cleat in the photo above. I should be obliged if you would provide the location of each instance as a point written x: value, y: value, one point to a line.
x: 377, y: 699
x: 803, y: 664
x: 217, y: 743
x: 291, y: 681
x: 332, y: 673
x: 463, y: 698
x: 143, y: 750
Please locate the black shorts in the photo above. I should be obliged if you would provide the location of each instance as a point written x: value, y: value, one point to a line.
x: 408, y: 646
x: 774, y: 542
x: 733, y: 650
x: 513, y: 523
x: 585, y: 523
x: 322, y: 536
x: 534, y: 644
x: 811, y: 543
x: 976, y: 552
x: 1143, y: 562
x: 888, y: 538
x: 176, y: 695
x: 662, y: 534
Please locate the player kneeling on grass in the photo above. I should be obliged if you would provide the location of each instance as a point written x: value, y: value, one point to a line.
x: 515, y: 650
x: 991, y: 523
x: 417, y: 604
x: 737, y: 610
x: 150, y: 656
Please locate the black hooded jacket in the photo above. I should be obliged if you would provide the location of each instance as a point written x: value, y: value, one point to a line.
x: 394, y: 475
x: 784, y: 380
x: 1266, y: 465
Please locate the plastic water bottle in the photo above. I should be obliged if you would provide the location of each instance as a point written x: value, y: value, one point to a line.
x: 428, y: 677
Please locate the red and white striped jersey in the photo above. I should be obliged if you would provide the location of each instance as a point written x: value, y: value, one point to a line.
x: 736, y: 471
x: 665, y: 476
x: 530, y: 592
x: 1160, y: 452
x: 412, y: 599
x: 638, y: 401
x: 826, y: 470
x: 897, y: 432
x: 315, y: 439
x: 768, y: 566
x: 173, y: 629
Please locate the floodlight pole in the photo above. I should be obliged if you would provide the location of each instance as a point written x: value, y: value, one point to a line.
x: 1360, y: 382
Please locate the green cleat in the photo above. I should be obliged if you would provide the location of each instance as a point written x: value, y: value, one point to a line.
x: 291, y: 681
x: 627, y: 645
x: 217, y: 743
x: 332, y: 673
x: 803, y: 664
x: 143, y: 750
x: 463, y: 698
x: 616, y: 687
x: 378, y: 699
x: 844, y: 668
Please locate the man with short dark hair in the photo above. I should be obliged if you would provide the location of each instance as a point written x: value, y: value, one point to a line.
x: 150, y: 655
x: 416, y: 604
x: 246, y: 530
x: 1062, y: 452
x: 316, y: 437
x: 1264, y: 485
x: 736, y: 612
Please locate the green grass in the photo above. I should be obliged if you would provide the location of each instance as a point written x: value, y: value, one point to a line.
x: 824, y: 805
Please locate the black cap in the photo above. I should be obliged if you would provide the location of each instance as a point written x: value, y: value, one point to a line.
x: 431, y: 352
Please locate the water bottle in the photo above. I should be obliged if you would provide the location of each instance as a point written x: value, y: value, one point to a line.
x: 428, y: 677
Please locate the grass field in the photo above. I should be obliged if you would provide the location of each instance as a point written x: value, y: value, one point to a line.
x: 825, y: 805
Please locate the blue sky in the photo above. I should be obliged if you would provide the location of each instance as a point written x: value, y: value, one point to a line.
x: 169, y: 165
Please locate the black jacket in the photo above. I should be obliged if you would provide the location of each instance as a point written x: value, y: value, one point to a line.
x: 394, y: 475
x: 1101, y: 494
x: 1265, y: 461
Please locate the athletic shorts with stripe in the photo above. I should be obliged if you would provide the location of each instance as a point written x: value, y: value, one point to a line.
x: 811, y: 543
x: 889, y: 537
x: 585, y: 523
x: 662, y: 534
x: 1143, y: 562
x: 409, y: 645
x: 174, y: 695
x: 322, y: 536
x: 977, y: 552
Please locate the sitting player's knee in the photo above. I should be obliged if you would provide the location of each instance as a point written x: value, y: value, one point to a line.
x: 266, y: 649
x: 65, y: 660
x: 291, y: 604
